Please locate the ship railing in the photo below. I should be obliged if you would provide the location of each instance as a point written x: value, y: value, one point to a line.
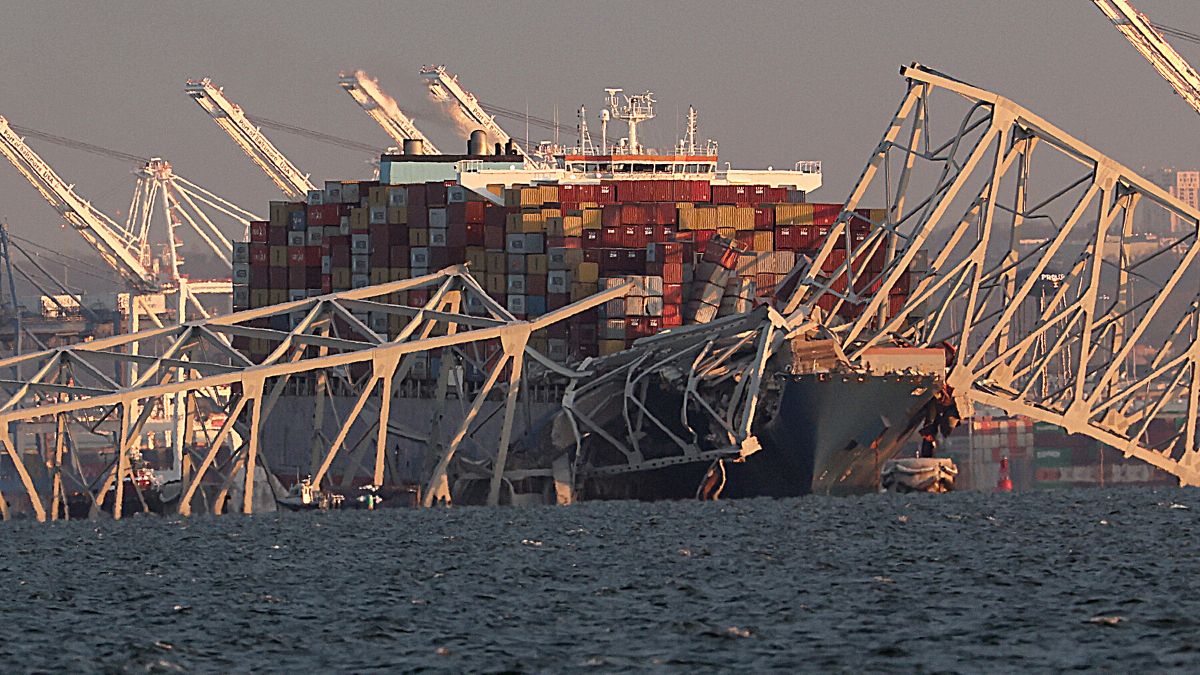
x: 808, y: 166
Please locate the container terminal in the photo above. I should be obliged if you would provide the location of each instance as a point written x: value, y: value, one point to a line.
x: 520, y: 325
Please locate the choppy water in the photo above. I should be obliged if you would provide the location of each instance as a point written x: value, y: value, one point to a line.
x: 940, y: 583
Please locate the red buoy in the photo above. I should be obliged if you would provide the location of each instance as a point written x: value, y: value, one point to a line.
x: 1005, y: 483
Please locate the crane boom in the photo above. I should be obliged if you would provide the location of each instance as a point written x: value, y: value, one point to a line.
x: 1136, y: 28
x: 120, y: 250
x: 250, y: 139
x: 443, y: 86
x: 383, y: 109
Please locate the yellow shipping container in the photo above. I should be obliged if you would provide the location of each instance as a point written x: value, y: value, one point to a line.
x: 572, y: 226
x: 608, y: 347
x: 573, y: 258
x: 278, y: 256
x: 793, y: 214
x: 477, y: 260
x: 379, y: 275
x: 512, y: 223
x: 551, y: 213
x: 497, y: 284
x: 554, y: 226
x: 591, y: 219
x: 497, y: 262
x: 259, y: 297
x: 699, y: 218
x: 397, y: 273
x: 581, y: 290
x: 418, y: 236
x: 277, y: 296
x: 496, y: 189
x: 588, y: 272
x: 764, y: 241
x: 548, y: 194
x: 727, y: 232
x: 531, y: 196
x: 532, y: 222
x: 397, y: 215
x: 377, y: 196
x: 535, y: 263
x: 737, y: 217
x: 360, y: 217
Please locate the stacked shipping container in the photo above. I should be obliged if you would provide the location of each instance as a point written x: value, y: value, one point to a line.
x: 697, y: 251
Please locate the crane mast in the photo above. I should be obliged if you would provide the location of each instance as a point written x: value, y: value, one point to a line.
x: 443, y: 86
x: 122, y: 251
x: 383, y: 109
x: 1140, y: 33
x: 250, y: 139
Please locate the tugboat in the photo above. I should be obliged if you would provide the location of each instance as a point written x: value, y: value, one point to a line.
x: 304, y: 496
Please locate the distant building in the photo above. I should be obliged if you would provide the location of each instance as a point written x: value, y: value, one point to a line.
x: 1186, y: 190
x: 1153, y: 219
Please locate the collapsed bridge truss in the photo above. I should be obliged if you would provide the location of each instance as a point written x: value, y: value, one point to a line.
x: 1059, y: 308
x: 124, y: 377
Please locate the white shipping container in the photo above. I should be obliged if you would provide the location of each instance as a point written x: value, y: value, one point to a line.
x: 350, y: 193
x: 360, y: 243
x: 241, y: 252
x: 635, y: 306
x: 316, y: 197
x: 360, y: 264
x: 613, y: 329
x: 296, y: 238
x: 241, y: 272
x: 333, y: 192
x: 360, y: 280
x: 514, y: 243
x: 398, y: 196
x: 437, y: 216
x: 241, y: 296
x: 654, y: 306
x: 558, y: 281
x: 456, y: 194
x: 516, y: 284
x: 315, y: 235
x: 378, y: 215
x: 326, y: 264
x: 437, y: 236
x: 418, y: 257
x: 516, y: 304
x: 297, y: 294
x: 654, y: 286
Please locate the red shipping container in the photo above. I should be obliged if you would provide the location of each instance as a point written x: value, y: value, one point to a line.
x: 456, y: 213
x: 381, y: 256
x: 745, y: 239
x: 295, y: 256
x: 572, y: 242
x: 297, y: 277
x: 277, y: 236
x: 605, y: 193
x: 738, y: 195
x: 473, y: 234
x: 535, y: 284
x: 672, y: 316
x: 475, y: 211
x: 610, y: 237
x: 260, y: 277
x: 279, y: 278
x: 326, y: 283
x: 610, y: 215
x: 456, y: 233
x: 691, y: 191
x: 672, y: 293
x: 312, y: 256
x: 636, y: 214
x: 435, y: 194
x: 764, y: 218
x: 381, y: 235
x: 456, y: 254
x: 635, y: 260
x: 417, y: 297
x: 258, y: 231
x: 836, y: 257
x: 593, y: 255
x: 324, y: 214
x: 312, y: 277
x: 493, y: 237
x: 665, y: 214
x: 497, y: 216
x: 555, y: 242
x: 672, y: 273
x: 260, y: 255
x: 826, y: 214
x: 569, y: 194
x: 635, y: 327
x: 556, y: 301
x: 398, y: 256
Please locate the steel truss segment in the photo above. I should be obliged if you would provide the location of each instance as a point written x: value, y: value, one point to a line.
x: 196, y: 360
x: 1080, y: 326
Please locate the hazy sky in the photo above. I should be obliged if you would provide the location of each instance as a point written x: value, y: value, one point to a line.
x: 775, y: 82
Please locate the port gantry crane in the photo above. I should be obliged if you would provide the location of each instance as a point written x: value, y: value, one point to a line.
x: 1141, y: 33
x: 444, y: 86
x: 126, y: 248
x: 383, y: 109
x: 230, y: 117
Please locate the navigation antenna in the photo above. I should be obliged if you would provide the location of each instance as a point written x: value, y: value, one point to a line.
x: 636, y: 109
x: 687, y: 145
x: 585, y: 138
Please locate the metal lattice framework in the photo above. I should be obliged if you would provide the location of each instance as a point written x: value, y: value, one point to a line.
x: 1058, y: 310
x: 83, y: 385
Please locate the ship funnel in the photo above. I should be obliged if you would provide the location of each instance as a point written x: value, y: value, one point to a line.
x: 414, y: 146
x: 477, y: 143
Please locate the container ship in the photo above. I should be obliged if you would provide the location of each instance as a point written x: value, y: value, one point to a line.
x: 703, y: 244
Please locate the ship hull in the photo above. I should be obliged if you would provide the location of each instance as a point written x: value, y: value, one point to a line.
x: 830, y: 434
